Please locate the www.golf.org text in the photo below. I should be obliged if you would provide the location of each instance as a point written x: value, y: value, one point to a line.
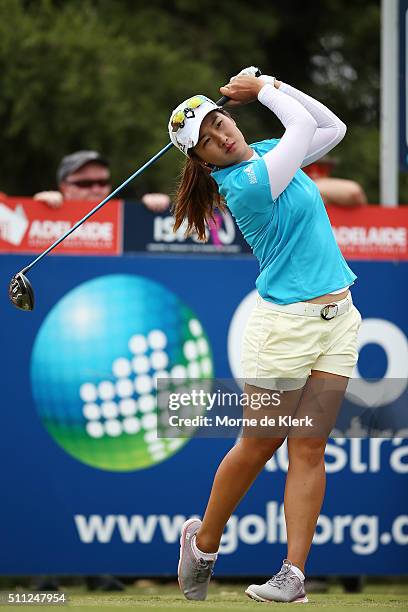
x: 362, y: 530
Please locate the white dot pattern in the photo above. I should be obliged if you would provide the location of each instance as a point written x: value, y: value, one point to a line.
x: 195, y: 327
x: 150, y: 436
x: 193, y: 370
x: 127, y: 407
x: 161, y: 374
x: 157, y: 446
x: 91, y: 411
x: 149, y: 421
x: 121, y: 367
x: 137, y: 344
x: 106, y: 390
x: 143, y: 384
x: 190, y: 350
x: 113, y: 428
x: 94, y: 429
x: 87, y: 392
x: 206, y: 366
x: 109, y: 410
x: 157, y: 339
x: 159, y: 455
x: 131, y: 425
x: 127, y: 403
x: 124, y: 387
x: 159, y: 360
x: 140, y: 364
x: 202, y: 346
x: 179, y: 372
x: 147, y: 403
x: 175, y: 443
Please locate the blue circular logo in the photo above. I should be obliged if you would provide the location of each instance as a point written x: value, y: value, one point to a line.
x: 95, y: 364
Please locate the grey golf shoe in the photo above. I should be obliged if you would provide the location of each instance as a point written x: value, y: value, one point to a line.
x: 284, y: 586
x: 194, y: 574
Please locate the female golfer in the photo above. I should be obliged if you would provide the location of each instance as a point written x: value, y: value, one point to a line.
x: 304, y: 326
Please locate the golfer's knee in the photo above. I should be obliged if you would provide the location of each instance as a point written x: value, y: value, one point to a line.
x: 260, y: 450
x: 309, y: 451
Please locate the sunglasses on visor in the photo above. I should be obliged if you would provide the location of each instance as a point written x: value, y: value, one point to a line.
x: 178, y: 119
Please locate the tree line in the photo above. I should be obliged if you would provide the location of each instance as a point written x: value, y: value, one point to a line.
x: 105, y: 74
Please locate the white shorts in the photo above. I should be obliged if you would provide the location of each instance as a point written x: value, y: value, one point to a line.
x: 281, y: 349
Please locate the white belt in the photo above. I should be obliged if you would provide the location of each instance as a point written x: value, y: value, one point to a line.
x: 326, y: 311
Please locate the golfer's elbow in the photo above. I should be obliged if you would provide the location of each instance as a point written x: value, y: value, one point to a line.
x: 308, y: 125
x: 341, y: 131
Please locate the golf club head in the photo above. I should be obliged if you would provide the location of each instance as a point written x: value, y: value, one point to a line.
x: 21, y: 292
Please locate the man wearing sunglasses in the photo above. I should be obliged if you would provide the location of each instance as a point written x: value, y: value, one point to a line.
x: 85, y: 175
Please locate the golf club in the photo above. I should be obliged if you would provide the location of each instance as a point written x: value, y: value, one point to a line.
x: 20, y: 290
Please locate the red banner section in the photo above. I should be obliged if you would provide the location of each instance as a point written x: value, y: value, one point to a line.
x: 371, y: 232
x: 29, y: 226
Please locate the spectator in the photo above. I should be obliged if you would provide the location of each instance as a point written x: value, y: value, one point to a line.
x: 335, y: 191
x: 156, y: 202
x: 85, y: 175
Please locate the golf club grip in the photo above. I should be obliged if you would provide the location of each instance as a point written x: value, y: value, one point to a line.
x: 225, y: 99
x: 222, y: 101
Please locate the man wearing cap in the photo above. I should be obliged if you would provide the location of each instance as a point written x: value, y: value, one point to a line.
x: 85, y: 175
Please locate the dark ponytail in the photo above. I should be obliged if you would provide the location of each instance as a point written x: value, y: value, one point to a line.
x: 196, y: 198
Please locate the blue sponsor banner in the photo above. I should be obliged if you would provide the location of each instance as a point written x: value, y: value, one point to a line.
x: 88, y: 488
x: 155, y: 234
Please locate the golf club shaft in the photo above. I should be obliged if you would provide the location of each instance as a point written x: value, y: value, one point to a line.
x: 151, y: 161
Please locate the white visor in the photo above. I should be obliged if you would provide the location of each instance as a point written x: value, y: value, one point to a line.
x: 186, y: 119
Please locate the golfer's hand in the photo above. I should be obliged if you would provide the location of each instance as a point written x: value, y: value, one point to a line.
x: 53, y: 199
x: 252, y: 70
x: 249, y: 71
x: 242, y: 89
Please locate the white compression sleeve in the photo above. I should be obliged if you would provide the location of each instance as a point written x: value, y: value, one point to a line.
x: 286, y: 158
x: 330, y: 129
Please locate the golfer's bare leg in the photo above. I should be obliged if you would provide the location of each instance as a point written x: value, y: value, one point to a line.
x: 234, y: 476
x: 306, y: 479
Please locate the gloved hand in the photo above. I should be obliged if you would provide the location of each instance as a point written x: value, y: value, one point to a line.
x: 251, y: 71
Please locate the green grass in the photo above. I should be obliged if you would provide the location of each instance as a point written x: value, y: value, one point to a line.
x: 229, y: 597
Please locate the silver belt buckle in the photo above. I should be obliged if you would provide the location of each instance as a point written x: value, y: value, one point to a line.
x: 327, y: 313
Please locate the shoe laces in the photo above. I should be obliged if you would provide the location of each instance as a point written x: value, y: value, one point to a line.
x: 203, y: 570
x: 282, y: 577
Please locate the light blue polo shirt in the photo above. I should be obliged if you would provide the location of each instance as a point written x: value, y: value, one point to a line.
x: 291, y: 235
